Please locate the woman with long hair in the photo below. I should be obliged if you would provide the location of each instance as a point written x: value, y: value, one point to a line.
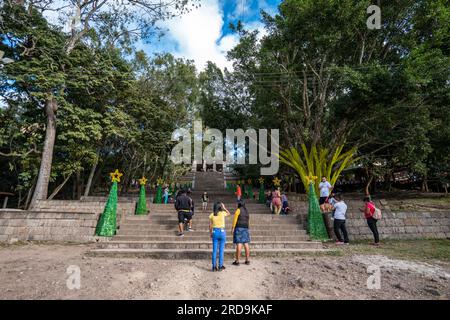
x: 276, y: 201
x: 218, y: 234
x: 241, y: 236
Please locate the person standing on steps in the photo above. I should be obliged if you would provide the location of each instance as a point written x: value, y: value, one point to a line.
x: 218, y: 234
x: 325, y: 205
x: 276, y: 201
x: 205, y: 200
x: 369, y: 210
x: 183, y: 205
x: 241, y: 235
x: 238, y: 192
x: 166, y: 195
x: 339, y: 220
x: 285, y: 204
x: 325, y: 188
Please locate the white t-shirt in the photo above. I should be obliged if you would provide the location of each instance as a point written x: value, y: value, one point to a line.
x: 341, y: 210
x: 332, y: 201
x: 324, y: 189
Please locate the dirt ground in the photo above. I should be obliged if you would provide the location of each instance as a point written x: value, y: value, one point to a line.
x: 39, y: 271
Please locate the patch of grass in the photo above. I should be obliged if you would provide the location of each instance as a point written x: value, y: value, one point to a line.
x: 420, y: 249
x: 443, y: 202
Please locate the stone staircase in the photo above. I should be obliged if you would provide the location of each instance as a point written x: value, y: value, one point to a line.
x: 155, y: 235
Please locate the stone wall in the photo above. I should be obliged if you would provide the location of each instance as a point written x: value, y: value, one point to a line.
x: 393, y: 225
x: 39, y: 225
x: 58, y: 220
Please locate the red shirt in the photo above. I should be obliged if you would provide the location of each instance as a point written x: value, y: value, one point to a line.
x: 371, y: 207
x: 238, y: 191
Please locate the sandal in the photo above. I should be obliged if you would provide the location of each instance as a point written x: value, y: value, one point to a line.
x: 235, y: 263
x: 247, y: 262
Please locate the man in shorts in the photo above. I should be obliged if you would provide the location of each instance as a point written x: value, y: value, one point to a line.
x: 183, y: 205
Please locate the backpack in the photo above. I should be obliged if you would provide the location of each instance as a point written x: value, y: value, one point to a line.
x: 377, y: 214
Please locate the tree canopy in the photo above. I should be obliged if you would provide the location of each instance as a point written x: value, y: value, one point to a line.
x: 317, y: 73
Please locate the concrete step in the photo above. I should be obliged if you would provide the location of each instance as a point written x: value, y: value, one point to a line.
x: 204, y: 222
x: 166, y: 228
x: 263, y: 216
x: 253, y: 217
x: 190, y: 236
x: 205, y: 232
x: 202, y: 254
x: 205, y: 219
x: 198, y: 204
x: 186, y: 245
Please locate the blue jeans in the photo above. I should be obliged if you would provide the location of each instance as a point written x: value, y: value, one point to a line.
x: 219, y: 239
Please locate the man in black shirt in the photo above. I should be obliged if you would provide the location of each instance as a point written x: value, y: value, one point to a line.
x: 183, y: 205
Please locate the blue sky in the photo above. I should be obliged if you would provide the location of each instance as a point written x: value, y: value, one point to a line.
x: 200, y: 35
x: 204, y: 34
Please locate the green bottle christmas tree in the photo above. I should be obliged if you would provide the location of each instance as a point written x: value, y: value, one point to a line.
x: 261, y: 196
x: 316, y: 226
x: 158, y: 196
x: 142, y: 202
x: 250, y: 189
x: 244, y: 190
x: 106, y: 226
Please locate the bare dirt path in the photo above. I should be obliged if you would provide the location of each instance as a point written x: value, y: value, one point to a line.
x: 38, y: 271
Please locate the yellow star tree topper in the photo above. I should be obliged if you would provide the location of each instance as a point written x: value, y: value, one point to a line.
x: 311, y: 178
x: 276, y: 181
x: 159, y: 181
x: 115, y: 176
x: 249, y: 181
x: 261, y: 180
x: 143, y: 181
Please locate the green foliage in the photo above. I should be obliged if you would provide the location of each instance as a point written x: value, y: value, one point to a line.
x: 112, y: 113
x: 318, y: 162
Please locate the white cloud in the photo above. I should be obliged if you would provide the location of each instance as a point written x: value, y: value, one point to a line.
x: 196, y: 35
x: 242, y: 10
x: 256, y: 25
x: 199, y: 35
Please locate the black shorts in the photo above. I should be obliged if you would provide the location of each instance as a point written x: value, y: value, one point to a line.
x: 322, y: 200
x: 183, y: 215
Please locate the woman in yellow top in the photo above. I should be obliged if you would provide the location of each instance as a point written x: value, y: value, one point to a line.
x: 218, y: 234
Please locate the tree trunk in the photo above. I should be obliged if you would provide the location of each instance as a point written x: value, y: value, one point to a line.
x: 91, y: 177
x: 20, y: 199
x: 41, y: 190
x: 425, y: 184
x: 79, y: 184
x: 58, y: 188
x: 163, y: 168
x: 27, y: 201
x: 369, y: 182
x: 74, y: 188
